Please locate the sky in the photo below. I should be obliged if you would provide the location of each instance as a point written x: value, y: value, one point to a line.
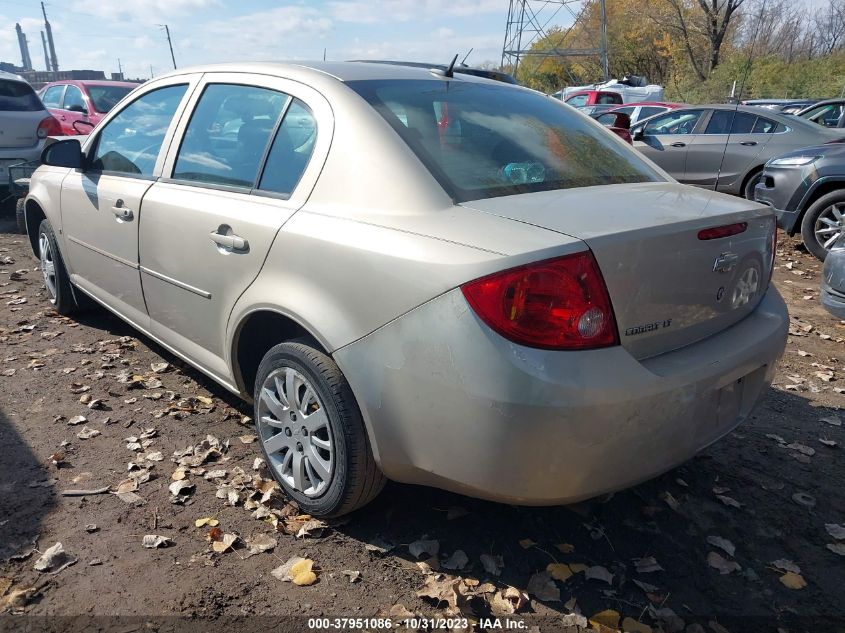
x: 93, y: 35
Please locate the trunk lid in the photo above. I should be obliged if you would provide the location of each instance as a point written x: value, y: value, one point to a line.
x: 669, y: 288
x: 20, y: 113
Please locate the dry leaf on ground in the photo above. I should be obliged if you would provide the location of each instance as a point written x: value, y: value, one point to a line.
x: 608, y: 618
x: 717, y: 561
x: 458, y: 560
x: 259, y: 543
x: 492, y: 564
x: 54, y: 559
x: 837, y: 548
x: 835, y: 530
x: 542, y: 587
x: 647, y: 565
x: 424, y: 546
x: 786, y: 565
x: 225, y: 542
x: 559, y: 571
x: 793, y: 580
x: 153, y: 541
x: 723, y: 544
x: 508, y: 601
x: 598, y: 572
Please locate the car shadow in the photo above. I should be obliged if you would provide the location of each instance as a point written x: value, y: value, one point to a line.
x: 27, y: 493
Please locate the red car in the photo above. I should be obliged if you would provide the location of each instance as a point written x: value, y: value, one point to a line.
x: 79, y: 105
x: 584, y: 98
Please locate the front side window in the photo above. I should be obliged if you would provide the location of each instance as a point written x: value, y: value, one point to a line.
x: 647, y: 111
x: 292, y: 148
x: 53, y: 96
x: 827, y: 115
x: 676, y: 122
x: 228, y: 134
x: 578, y: 101
x: 73, y: 100
x: 130, y: 142
x: 482, y: 140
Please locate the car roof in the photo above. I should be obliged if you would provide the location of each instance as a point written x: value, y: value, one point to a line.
x: 91, y: 82
x: 12, y: 77
x: 665, y: 104
x: 341, y: 71
x: 459, y: 68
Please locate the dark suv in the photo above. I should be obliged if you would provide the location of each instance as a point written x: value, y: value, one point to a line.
x: 806, y: 188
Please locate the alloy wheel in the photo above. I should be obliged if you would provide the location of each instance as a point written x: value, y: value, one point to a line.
x: 295, y: 431
x: 828, y: 226
x: 48, y: 266
x: 746, y: 287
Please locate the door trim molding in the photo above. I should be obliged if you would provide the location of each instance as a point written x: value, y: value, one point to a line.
x: 179, y: 284
x: 100, y: 251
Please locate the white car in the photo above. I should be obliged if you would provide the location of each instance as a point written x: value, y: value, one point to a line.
x: 24, y: 124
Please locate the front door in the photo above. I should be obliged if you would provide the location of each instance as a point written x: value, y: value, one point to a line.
x: 235, y: 179
x: 101, y: 204
x: 666, y: 140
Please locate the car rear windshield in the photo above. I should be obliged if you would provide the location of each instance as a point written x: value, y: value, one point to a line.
x: 483, y: 140
x: 16, y: 96
x: 106, y: 97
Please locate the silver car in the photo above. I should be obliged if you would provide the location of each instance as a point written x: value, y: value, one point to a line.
x: 24, y: 125
x: 436, y: 279
x: 724, y: 147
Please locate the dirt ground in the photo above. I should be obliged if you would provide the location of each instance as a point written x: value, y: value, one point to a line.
x: 769, y: 489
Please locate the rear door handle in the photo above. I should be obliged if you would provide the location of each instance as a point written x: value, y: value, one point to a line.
x: 231, y: 241
x: 749, y: 143
x: 678, y: 144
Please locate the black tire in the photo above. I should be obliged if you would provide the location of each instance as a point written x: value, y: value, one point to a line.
x: 356, y: 479
x: 752, y: 181
x: 63, y: 300
x: 20, y: 215
x: 808, y: 222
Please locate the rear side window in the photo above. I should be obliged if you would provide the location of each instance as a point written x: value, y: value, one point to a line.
x: 647, y: 111
x: 484, y: 139
x: 53, y: 96
x: 131, y: 141
x: 106, y: 97
x: 609, y: 98
x: 291, y: 151
x: 228, y: 135
x: 16, y: 96
x: 729, y: 121
x: 764, y: 126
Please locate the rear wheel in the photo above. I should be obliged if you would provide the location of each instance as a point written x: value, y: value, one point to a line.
x: 823, y: 223
x: 751, y: 183
x: 312, y: 433
x: 56, y: 279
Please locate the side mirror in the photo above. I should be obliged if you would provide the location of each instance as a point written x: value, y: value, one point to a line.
x: 67, y: 153
x: 637, y: 134
x: 77, y: 108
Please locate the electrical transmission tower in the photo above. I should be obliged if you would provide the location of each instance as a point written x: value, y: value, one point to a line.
x: 529, y: 22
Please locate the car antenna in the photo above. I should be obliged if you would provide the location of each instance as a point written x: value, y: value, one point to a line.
x: 463, y: 61
x: 450, y: 71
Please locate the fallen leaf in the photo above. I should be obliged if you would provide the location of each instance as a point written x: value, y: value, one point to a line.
x: 247, y: 439
x: 827, y: 442
x: 722, y: 543
x: 159, y: 368
x: 209, y: 521
x: 671, y: 501
x: 354, y: 576
x: 283, y: 572
x: 608, y: 618
x: 441, y: 588
x: 565, y: 548
x: 458, y: 560
x: 717, y: 561
x: 542, y: 587
x: 398, y: 613
x: 835, y: 530
x: 786, y: 565
x: 801, y: 448
x: 793, y: 580
x: 77, y: 419
x: 577, y: 568
x: 54, y: 559
x: 424, y: 546
x: 645, y: 586
x: 832, y: 420
x: 227, y: 541
x: 836, y: 548
x: 559, y: 571
x: 508, y: 601
x: 630, y: 625
x: 181, y: 487
x: 647, y: 565
x: 127, y: 485
x: 312, y: 528
x: 87, y: 433
x: 729, y: 501
x: 527, y: 543
x: 153, y: 541
x: 804, y: 499
x: 259, y: 543
x: 598, y: 572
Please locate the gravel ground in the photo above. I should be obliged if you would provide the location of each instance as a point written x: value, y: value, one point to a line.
x: 772, y: 494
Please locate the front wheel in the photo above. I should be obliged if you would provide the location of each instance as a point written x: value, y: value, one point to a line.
x: 822, y: 224
x: 751, y: 184
x: 312, y: 433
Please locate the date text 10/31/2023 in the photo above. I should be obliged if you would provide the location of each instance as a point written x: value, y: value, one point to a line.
x: 414, y: 623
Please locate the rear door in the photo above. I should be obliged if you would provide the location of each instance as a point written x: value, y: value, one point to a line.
x: 666, y: 139
x: 728, y: 147
x: 74, y: 108
x: 101, y: 204
x: 249, y: 155
x: 52, y: 99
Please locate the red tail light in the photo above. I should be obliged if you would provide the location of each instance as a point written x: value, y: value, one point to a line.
x: 49, y: 126
x: 559, y: 303
x: 722, y: 231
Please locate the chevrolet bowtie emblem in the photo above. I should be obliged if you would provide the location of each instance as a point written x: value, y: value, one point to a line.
x: 725, y: 262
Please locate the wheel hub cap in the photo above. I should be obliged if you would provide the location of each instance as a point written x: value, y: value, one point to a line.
x: 295, y: 431
x: 48, y: 266
x: 746, y: 287
x: 828, y: 226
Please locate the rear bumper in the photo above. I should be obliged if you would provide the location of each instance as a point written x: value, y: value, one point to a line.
x: 451, y: 404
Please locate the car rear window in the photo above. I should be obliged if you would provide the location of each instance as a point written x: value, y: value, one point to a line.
x: 16, y: 96
x: 483, y: 140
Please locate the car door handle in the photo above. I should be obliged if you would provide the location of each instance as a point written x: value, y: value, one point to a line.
x: 122, y: 213
x: 678, y: 144
x: 231, y: 241
x: 748, y: 143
